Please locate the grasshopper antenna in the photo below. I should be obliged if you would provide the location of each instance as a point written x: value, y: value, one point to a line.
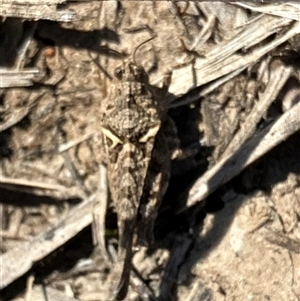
x: 139, y: 46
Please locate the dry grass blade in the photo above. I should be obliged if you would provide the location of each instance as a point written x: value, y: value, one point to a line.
x: 19, y: 114
x: 18, y: 261
x: 279, y: 76
x: 41, y: 188
x: 6, y: 181
x: 99, y: 212
x: 17, y: 78
x: 259, y: 145
x: 222, y: 59
x: 34, y: 2
x: 70, y: 144
x: 36, y: 10
x: 15, y: 118
x: 187, y: 99
x: 285, y: 10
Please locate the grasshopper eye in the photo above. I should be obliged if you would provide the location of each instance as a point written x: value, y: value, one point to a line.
x: 112, y: 137
x: 119, y: 73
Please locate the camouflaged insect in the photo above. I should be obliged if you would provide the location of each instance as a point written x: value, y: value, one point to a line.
x: 134, y: 125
